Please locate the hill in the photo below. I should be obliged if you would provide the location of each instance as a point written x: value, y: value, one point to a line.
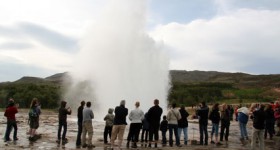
x: 188, y: 87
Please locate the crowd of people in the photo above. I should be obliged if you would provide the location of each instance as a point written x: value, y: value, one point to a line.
x: 263, y: 116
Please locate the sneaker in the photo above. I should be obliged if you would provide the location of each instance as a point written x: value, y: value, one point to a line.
x: 64, y: 141
x: 7, y: 140
x: 219, y: 144
x: 212, y: 142
x: 84, y: 145
x: 91, y: 146
x: 31, y: 138
x: 15, y: 139
x: 57, y: 141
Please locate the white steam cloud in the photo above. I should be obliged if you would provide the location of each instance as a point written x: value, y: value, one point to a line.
x: 120, y: 61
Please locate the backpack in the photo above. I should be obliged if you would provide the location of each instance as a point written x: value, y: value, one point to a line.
x: 33, y: 113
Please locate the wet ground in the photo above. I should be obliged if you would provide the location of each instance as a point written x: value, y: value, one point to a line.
x: 48, y: 129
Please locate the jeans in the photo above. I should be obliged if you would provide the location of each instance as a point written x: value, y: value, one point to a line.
x: 153, y: 132
x: 134, y: 131
x: 163, y: 134
x: 10, y: 124
x: 203, y: 131
x: 243, y: 130
x: 80, y: 128
x: 257, y: 134
x: 60, y: 125
x: 173, y: 127
x: 185, y: 130
x: 107, y: 131
x: 215, y: 129
x: 145, y: 132
x: 223, y: 128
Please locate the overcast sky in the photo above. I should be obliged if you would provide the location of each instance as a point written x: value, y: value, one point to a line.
x: 41, y: 37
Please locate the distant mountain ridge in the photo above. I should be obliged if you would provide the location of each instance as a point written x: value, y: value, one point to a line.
x: 182, y: 76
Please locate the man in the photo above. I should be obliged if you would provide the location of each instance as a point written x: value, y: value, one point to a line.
x: 258, y: 130
x: 10, y: 113
x: 202, y: 113
x: 135, y: 116
x: 154, y: 115
x: 80, y: 123
x: 87, y: 126
x: 62, y: 119
x: 119, y: 124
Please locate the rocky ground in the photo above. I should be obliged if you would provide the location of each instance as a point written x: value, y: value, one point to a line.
x: 48, y: 129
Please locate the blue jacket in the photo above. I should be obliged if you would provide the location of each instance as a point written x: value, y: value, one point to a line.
x: 243, y: 118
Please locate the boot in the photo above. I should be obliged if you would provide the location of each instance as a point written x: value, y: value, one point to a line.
x: 127, y: 144
x: 134, y: 145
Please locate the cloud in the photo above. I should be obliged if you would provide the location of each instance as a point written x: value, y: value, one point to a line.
x: 49, y: 37
x: 233, y: 41
x: 15, y: 45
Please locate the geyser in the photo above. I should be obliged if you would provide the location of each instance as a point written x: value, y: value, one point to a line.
x: 118, y: 60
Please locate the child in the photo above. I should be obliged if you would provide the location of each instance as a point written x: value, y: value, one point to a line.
x: 145, y: 129
x: 163, y: 129
x: 62, y: 117
x: 109, y: 118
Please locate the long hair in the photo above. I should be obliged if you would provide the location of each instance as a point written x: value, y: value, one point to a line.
x: 33, y: 102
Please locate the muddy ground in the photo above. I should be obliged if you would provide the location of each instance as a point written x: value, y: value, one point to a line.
x: 48, y: 129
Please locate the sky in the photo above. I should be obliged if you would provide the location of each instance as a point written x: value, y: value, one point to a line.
x: 42, y: 37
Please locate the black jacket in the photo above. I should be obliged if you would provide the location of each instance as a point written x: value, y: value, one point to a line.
x: 80, y: 114
x: 163, y: 125
x: 183, y: 122
x: 154, y: 114
x: 203, y: 115
x: 215, y: 116
x: 225, y: 117
x: 120, y: 115
x: 259, y: 119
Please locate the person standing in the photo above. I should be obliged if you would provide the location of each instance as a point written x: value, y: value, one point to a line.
x: 215, y: 118
x: 183, y: 124
x: 269, y: 122
x: 135, y: 116
x: 243, y: 116
x: 258, y: 128
x: 145, y: 130
x: 154, y: 114
x: 34, y: 113
x: 173, y: 116
x: 277, y: 119
x: 62, y: 122
x: 10, y: 113
x: 109, y: 121
x: 163, y: 129
x: 87, y: 126
x: 225, y: 122
x: 80, y: 123
x: 119, y: 124
x: 202, y: 114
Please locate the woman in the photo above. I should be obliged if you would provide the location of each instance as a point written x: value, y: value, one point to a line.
x: 183, y: 124
x: 34, y: 114
x: 269, y: 122
x: 215, y: 118
x: 225, y: 122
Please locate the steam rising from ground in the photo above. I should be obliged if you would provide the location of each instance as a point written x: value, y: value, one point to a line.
x: 118, y: 60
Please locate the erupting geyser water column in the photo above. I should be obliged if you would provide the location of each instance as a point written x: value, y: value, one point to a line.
x: 120, y: 61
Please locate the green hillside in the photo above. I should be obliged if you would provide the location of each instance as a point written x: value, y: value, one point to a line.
x: 188, y: 87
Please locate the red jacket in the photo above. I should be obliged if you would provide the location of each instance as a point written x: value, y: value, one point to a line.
x: 10, y: 113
